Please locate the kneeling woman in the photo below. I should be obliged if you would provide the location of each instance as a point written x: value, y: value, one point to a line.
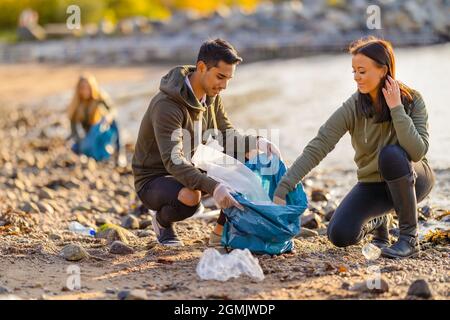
x: 88, y: 108
x: 388, y: 124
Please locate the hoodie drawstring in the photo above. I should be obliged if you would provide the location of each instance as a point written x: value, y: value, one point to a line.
x: 365, y: 130
x: 198, y: 128
x: 213, y: 113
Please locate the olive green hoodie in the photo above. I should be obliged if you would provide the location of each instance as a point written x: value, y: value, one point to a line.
x: 173, y: 109
x: 407, y: 129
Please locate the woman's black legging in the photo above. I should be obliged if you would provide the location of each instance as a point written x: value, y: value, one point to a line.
x: 370, y: 200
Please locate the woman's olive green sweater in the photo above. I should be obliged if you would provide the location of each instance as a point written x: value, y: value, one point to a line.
x: 407, y: 129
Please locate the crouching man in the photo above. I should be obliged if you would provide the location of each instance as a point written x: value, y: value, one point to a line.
x: 188, y: 101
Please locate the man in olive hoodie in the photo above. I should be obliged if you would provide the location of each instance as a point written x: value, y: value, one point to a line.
x: 187, y: 105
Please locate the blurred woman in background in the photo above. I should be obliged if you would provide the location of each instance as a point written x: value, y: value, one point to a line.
x: 92, y: 122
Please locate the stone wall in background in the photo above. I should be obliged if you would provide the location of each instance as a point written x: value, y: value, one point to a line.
x: 287, y: 29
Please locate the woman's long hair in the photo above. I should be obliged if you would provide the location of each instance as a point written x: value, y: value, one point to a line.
x: 74, y: 112
x: 382, y: 53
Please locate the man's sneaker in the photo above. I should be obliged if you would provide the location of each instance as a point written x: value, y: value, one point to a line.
x: 166, y: 236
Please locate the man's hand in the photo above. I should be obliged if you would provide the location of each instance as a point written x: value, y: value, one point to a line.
x: 279, y: 201
x: 224, y: 199
x: 268, y: 147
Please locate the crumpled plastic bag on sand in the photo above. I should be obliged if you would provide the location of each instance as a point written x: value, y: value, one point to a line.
x: 216, y: 266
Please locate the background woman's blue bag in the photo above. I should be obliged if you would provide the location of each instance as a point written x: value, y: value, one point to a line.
x: 265, y: 228
x: 100, y: 140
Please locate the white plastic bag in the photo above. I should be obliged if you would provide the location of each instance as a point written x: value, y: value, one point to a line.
x: 216, y: 266
x: 223, y: 168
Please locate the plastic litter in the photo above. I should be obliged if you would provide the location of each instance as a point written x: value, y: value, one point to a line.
x: 265, y: 228
x: 262, y: 227
x: 223, y: 168
x: 80, y: 229
x: 371, y: 251
x: 216, y: 266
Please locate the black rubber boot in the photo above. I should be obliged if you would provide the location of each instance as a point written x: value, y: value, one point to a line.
x: 405, y: 203
x: 381, y: 234
x: 378, y: 226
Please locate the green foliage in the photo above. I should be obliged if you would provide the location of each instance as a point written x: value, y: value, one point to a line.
x: 8, y: 35
x: 54, y: 11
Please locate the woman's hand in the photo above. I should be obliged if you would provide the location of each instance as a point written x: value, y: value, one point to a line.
x: 268, y: 147
x: 392, y: 93
x: 279, y: 201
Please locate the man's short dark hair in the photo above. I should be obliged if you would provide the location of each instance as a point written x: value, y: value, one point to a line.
x: 213, y: 51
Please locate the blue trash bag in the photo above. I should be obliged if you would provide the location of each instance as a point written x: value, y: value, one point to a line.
x: 95, y: 143
x: 265, y: 228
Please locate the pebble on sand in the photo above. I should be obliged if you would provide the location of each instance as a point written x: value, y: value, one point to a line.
x: 138, y: 294
x: 311, y: 220
x: 420, y: 288
x: 144, y: 224
x: 4, y: 290
x: 29, y: 207
x: 74, y: 252
x: 130, y: 222
x: 118, y: 247
x: 319, y: 195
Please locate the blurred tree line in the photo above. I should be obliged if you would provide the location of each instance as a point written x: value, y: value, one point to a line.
x: 54, y: 11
